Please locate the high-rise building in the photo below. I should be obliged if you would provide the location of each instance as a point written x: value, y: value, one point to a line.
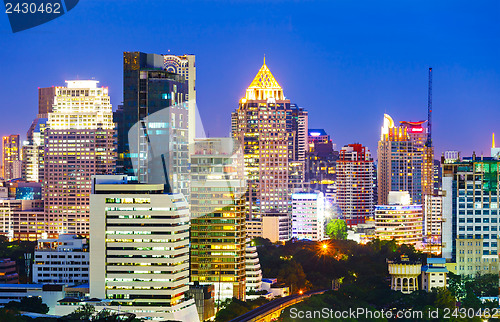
x: 8, y: 271
x: 355, y: 183
x: 495, y: 152
x: 253, y: 271
x: 433, y: 211
x: 437, y: 176
x: 218, y: 217
x: 63, y: 260
x: 320, y: 160
x: 399, y: 220
x: 33, y: 147
x: 46, y: 98
x: 401, y: 157
x: 22, y: 219
x: 273, y: 134
x: 155, y: 122
x: 471, y: 213
x: 308, y: 215
x: 139, y: 249
x: 185, y: 66
x: 79, y: 143
x: 33, y: 151
x: 11, y: 157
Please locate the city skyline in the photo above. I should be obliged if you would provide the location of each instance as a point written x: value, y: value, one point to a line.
x: 337, y: 71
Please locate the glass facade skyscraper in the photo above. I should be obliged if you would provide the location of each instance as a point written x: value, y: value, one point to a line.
x: 154, y: 120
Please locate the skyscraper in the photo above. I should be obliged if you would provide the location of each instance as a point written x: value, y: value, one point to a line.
x: 33, y: 147
x: 33, y: 151
x: 399, y: 219
x: 218, y: 217
x: 79, y: 143
x: 139, y: 249
x: 155, y: 123
x: 308, y: 215
x: 355, y: 183
x: 401, y: 160
x: 471, y: 214
x: 11, y: 154
x: 273, y: 134
x: 321, y: 157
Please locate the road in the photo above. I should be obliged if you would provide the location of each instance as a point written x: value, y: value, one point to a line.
x: 262, y: 311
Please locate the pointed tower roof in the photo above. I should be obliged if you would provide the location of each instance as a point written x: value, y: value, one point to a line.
x: 264, y: 86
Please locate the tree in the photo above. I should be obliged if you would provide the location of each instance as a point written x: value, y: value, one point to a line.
x: 84, y: 312
x: 444, y: 299
x: 28, y: 304
x: 336, y: 229
x: 292, y: 274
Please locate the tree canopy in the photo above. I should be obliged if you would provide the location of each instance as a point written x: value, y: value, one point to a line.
x: 336, y: 229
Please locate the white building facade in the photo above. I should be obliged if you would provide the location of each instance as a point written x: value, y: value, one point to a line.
x: 308, y: 216
x: 64, y: 260
x: 139, y: 249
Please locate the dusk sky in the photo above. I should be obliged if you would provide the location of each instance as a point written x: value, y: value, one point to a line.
x: 346, y: 62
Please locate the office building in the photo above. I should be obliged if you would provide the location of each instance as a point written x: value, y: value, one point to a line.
x: 139, y: 249
x: 11, y: 157
x: 308, y: 215
x: 495, y: 152
x: 185, y: 66
x: 79, y: 143
x: 22, y: 219
x: 49, y: 293
x: 63, y: 260
x: 218, y: 217
x: 355, y: 183
x: 401, y: 157
x: 46, y: 99
x: 321, y: 160
x: 253, y: 270
x: 399, y: 220
x: 203, y: 295
x: 434, y: 274
x: 155, y: 122
x: 433, y: 211
x: 33, y: 151
x: 273, y: 134
x: 470, y: 214
x: 8, y: 271
x: 437, y: 176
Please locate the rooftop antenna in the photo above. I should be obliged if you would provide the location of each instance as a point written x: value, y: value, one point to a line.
x: 429, y: 111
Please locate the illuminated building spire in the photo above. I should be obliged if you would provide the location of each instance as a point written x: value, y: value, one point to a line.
x: 493, y: 140
x: 264, y: 86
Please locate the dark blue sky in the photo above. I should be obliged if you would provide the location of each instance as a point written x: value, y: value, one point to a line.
x: 346, y: 62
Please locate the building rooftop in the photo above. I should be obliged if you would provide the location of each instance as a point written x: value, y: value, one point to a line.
x: 436, y: 260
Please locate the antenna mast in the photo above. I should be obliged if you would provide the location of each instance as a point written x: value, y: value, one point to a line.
x: 429, y: 111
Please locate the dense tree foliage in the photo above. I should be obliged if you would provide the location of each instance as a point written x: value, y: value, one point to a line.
x: 336, y: 229
x: 364, y: 278
x: 28, y: 304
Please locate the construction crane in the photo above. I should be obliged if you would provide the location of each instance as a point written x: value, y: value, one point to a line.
x: 429, y: 111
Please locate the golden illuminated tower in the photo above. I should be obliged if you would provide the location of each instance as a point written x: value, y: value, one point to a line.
x: 11, y: 157
x: 401, y: 160
x: 274, y: 140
